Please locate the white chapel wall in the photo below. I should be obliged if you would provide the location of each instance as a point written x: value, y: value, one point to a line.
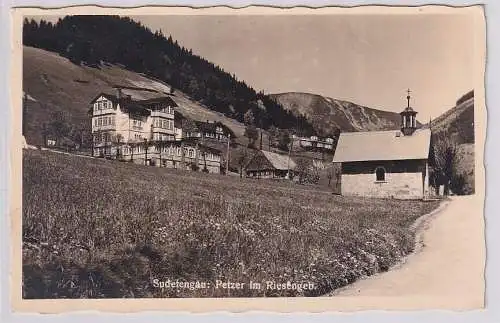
x: 397, y: 185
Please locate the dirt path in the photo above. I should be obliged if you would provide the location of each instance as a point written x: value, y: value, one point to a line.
x: 447, y: 267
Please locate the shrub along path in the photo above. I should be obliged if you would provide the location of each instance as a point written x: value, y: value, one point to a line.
x: 448, y: 268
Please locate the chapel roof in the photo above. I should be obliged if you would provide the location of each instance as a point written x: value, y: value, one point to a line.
x: 382, y: 145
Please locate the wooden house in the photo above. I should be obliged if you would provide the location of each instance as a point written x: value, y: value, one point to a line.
x: 266, y: 164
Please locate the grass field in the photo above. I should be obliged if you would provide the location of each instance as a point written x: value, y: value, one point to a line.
x: 100, y: 228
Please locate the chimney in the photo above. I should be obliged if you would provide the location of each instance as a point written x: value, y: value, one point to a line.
x: 119, y: 93
x: 129, y: 97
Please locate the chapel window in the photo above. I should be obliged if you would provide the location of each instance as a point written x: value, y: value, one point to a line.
x: 380, y: 174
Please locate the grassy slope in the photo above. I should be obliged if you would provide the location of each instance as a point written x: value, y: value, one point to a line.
x: 327, y: 113
x: 56, y: 84
x: 458, y: 124
x: 99, y: 228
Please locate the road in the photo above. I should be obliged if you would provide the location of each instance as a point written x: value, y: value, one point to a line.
x: 448, y: 267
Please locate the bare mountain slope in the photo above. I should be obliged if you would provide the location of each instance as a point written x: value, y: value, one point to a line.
x: 327, y: 113
x: 52, y: 83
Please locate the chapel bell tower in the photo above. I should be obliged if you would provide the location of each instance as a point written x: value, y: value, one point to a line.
x: 408, y: 118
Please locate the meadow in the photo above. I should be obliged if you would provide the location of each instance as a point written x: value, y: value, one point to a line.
x: 98, y: 228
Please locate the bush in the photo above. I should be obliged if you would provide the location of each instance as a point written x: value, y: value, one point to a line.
x: 459, y: 185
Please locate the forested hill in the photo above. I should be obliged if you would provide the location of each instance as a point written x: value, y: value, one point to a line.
x: 94, y: 40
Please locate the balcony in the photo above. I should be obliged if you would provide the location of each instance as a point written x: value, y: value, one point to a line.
x: 162, y: 114
x: 103, y: 127
x: 163, y: 130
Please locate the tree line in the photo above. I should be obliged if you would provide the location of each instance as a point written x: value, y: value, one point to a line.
x: 95, y: 40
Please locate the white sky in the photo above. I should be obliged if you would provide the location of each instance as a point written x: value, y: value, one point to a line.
x: 366, y: 59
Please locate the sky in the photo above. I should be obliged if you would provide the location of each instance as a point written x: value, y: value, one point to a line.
x: 370, y: 60
x: 366, y: 59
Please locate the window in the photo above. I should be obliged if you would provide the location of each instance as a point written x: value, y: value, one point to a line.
x: 191, y: 153
x: 380, y: 174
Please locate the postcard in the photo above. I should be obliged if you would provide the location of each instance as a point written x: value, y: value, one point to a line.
x: 251, y: 159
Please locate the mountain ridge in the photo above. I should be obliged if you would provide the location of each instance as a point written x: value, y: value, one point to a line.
x: 326, y: 113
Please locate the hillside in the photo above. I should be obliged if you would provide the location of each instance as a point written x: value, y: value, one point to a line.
x: 457, y: 122
x: 53, y: 84
x: 128, y: 43
x: 326, y: 113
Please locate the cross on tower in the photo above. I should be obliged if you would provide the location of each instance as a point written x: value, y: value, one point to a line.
x: 408, y: 97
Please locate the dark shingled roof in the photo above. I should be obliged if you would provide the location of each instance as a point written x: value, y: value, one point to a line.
x: 134, y: 107
x: 110, y: 97
x: 205, y: 126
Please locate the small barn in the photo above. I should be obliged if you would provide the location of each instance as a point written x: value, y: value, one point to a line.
x: 266, y: 164
x: 386, y: 164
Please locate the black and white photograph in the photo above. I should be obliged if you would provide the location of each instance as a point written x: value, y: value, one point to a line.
x: 325, y: 155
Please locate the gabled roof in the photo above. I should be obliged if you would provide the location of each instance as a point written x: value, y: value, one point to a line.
x: 134, y: 107
x: 112, y: 98
x: 270, y: 160
x: 281, y: 162
x: 382, y: 145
